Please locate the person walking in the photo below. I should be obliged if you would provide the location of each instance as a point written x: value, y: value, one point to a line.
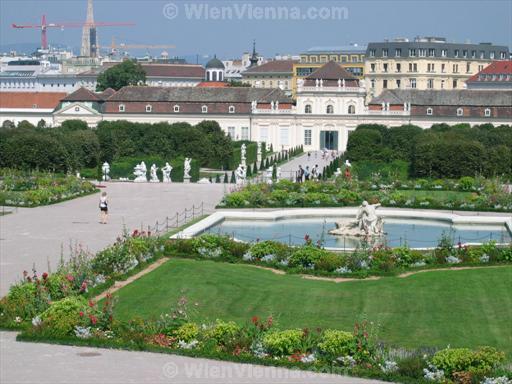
x: 103, y: 208
x: 306, y: 173
x: 300, y: 174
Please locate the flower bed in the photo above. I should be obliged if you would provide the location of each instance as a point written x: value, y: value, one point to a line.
x: 464, y: 194
x: 34, y: 189
x: 58, y: 308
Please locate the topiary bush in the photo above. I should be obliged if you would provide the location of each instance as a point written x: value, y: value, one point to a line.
x: 283, y: 343
x: 335, y: 343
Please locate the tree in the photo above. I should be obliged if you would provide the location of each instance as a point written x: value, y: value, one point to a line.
x: 255, y: 169
x: 226, y: 180
x: 8, y: 124
x: 233, y: 178
x: 41, y: 123
x: 274, y: 172
x: 126, y: 73
x: 217, y: 178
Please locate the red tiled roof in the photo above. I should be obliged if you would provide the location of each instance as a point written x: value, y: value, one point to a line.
x: 173, y: 70
x: 82, y: 94
x: 503, y: 67
x: 106, y: 93
x: 277, y: 66
x: 331, y: 71
x: 213, y: 84
x: 44, y: 100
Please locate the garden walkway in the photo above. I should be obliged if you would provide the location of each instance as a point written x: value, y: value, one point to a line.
x: 40, y: 235
x: 54, y: 364
x: 288, y: 169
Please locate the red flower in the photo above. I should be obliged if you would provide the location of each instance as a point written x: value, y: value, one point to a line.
x: 81, y: 314
x: 91, y: 303
x: 45, y: 276
x: 255, y: 320
x: 84, y: 286
x: 93, y: 319
x: 70, y: 277
x: 270, y: 321
x: 306, y: 237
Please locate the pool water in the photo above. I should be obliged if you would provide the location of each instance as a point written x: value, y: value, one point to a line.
x: 416, y: 233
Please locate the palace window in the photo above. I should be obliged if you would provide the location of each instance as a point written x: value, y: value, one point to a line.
x: 398, y: 67
x: 372, y: 52
x: 429, y: 111
x: 412, y: 83
x: 431, y: 52
x: 430, y: 83
x: 122, y: 108
x: 456, y: 53
x: 412, y: 52
x: 351, y: 109
x: 77, y: 109
x: 330, y: 109
x: 444, y: 52
x: 398, y: 83
x: 385, y: 52
x: 204, y: 109
x: 487, y: 112
x: 231, y: 132
x: 149, y: 108
x: 231, y: 109
x: 454, y: 84
x: 308, y: 109
x: 398, y: 52
x: 245, y: 133
x: 384, y: 84
x: 385, y: 65
x: 372, y: 83
x: 176, y: 108
x: 460, y: 112
x: 307, y: 137
x: 372, y: 67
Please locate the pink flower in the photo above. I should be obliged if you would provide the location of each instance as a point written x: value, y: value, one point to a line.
x: 69, y: 278
x: 45, y: 276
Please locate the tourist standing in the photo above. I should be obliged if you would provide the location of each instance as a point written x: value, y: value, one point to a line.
x: 306, y: 173
x: 103, y: 208
x: 300, y: 174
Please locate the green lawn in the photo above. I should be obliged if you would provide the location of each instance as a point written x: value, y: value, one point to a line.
x: 460, y: 308
x: 438, y: 195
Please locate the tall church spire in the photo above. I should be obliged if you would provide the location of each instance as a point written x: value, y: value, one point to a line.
x: 89, y: 37
x: 254, y: 57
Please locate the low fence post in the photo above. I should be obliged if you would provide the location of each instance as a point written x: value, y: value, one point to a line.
x: 177, y: 219
x: 167, y: 223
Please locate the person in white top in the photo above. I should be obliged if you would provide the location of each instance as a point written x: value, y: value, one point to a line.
x: 103, y: 208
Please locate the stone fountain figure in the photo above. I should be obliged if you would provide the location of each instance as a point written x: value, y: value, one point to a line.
x: 240, y: 175
x: 166, y: 172
x: 186, y: 170
x: 105, y: 171
x: 243, y: 152
x: 139, y: 172
x: 154, y: 176
x: 367, y: 223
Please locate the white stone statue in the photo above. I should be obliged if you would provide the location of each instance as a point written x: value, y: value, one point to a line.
x: 258, y: 153
x: 343, y: 83
x: 347, y: 164
x: 139, y: 172
x: 300, y: 83
x: 316, y: 83
x: 187, y: 168
x: 321, y: 83
x: 240, y: 175
x: 166, y: 172
x: 277, y: 105
x: 254, y: 105
x: 243, y: 153
x: 339, y: 83
x: 105, y: 171
x: 367, y: 223
x: 154, y: 176
x: 272, y: 105
x: 278, y: 173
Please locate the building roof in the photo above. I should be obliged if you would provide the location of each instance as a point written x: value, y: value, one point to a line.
x: 43, y: 100
x: 434, y: 50
x: 275, y: 66
x: 361, y: 49
x: 83, y: 94
x: 173, y: 70
x: 214, y: 64
x: 213, y: 84
x: 200, y: 94
x: 497, y: 71
x: 106, y: 93
x: 157, y: 70
x: 461, y: 97
x: 331, y: 71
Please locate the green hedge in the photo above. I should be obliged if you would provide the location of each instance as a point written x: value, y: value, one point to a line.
x: 251, y: 153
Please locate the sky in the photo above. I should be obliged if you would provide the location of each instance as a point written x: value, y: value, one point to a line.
x: 227, y: 28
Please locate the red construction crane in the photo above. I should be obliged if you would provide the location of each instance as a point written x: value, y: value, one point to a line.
x: 44, y: 27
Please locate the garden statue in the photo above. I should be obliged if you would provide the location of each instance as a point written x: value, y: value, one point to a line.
x: 240, y: 175
x: 105, y: 170
x: 154, y: 176
x: 258, y: 152
x: 140, y: 173
x: 186, y: 169
x: 166, y: 172
x: 243, y: 152
x: 367, y: 223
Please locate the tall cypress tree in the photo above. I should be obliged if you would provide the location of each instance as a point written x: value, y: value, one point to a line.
x: 233, y: 178
x: 226, y: 180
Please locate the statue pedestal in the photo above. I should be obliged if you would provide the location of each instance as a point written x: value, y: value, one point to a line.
x: 186, y: 179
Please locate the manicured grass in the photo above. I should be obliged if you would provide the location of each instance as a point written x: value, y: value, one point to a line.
x: 457, y: 308
x: 440, y: 195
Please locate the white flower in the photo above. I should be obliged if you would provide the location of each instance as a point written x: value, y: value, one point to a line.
x: 433, y: 374
x: 184, y: 345
x: 247, y: 256
x: 36, y: 321
x: 389, y: 366
x: 18, y: 320
x: 83, y: 332
x: 258, y: 350
x: 484, y: 258
x: 419, y: 264
x: 496, y: 380
x: 284, y: 262
x: 311, y: 358
x: 452, y: 260
x: 342, y: 270
x: 347, y: 361
x: 268, y: 258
